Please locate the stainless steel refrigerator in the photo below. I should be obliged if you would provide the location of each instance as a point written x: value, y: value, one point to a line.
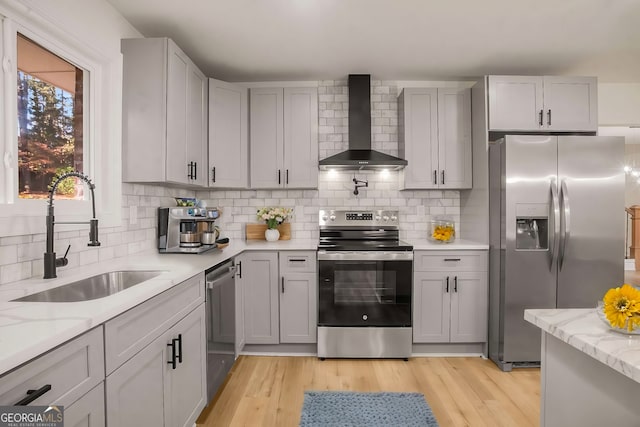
x: 556, y: 233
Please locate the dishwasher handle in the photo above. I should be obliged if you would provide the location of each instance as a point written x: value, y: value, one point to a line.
x: 213, y: 283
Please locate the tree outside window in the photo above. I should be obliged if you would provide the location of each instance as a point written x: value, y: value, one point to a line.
x: 50, y: 118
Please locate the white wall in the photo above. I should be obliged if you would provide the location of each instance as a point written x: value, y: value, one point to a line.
x: 619, y: 104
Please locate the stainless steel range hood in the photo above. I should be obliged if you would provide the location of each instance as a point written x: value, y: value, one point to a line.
x: 360, y: 156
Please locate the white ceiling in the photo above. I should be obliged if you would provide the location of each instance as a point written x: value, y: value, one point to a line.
x: 260, y: 40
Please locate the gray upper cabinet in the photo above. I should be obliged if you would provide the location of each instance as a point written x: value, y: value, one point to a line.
x: 435, y: 138
x: 258, y: 277
x: 284, y: 137
x: 164, y: 123
x: 228, y: 135
x: 543, y: 104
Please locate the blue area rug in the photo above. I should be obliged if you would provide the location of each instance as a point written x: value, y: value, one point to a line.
x: 351, y: 409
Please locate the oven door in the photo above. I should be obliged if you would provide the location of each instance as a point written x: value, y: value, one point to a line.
x: 365, y: 288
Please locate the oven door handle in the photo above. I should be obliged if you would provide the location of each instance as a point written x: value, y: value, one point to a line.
x: 365, y: 256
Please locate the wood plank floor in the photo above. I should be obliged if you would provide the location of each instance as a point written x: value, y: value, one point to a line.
x: 269, y: 391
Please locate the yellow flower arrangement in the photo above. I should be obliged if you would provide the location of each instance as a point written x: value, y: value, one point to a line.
x: 622, y: 307
x: 443, y: 233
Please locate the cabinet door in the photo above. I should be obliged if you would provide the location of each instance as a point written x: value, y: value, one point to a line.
x: 197, y: 125
x: 454, y: 138
x: 469, y: 299
x: 187, y: 383
x: 259, y: 275
x: 571, y: 103
x: 88, y: 411
x: 177, y: 76
x: 515, y: 103
x: 419, y: 137
x: 301, y: 137
x: 298, y: 308
x: 266, y: 137
x: 431, y: 305
x: 228, y: 143
x: 135, y: 392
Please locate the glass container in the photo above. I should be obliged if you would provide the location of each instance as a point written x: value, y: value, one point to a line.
x: 441, y: 230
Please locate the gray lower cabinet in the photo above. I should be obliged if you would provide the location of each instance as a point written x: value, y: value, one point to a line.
x: 258, y: 277
x: 165, y: 383
x: 450, y: 303
x: 298, y: 297
x: 88, y: 411
x: 65, y: 374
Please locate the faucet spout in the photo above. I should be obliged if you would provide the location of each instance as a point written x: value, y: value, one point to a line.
x: 50, y: 260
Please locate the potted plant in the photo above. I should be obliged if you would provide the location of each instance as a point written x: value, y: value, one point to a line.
x: 273, y: 217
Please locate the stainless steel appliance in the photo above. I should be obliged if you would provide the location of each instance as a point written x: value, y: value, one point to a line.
x: 365, y: 284
x: 221, y: 331
x: 556, y: 233
x: 180, y: 229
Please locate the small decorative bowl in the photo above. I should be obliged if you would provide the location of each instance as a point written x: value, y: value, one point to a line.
x: 603, y: 317
x: 221, y: 246
x: 442, y: 230
x: 186, y: 201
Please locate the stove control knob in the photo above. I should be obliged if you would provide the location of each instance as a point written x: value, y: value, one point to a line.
x: 324, y: 217
x: 394, y: 218
x: 378, y: 217
x: 332, y: 217
x: 365, y: 317
x: 385, y: 218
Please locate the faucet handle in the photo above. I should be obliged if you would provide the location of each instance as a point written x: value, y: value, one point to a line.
x: 61, y: 262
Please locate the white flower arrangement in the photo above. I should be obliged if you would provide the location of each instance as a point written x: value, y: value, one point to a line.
x: 274, y: 216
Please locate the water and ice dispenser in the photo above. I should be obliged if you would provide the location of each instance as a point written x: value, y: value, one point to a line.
x: 532, y: 226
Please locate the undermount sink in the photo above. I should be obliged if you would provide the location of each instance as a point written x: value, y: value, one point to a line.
x: 99, y: 286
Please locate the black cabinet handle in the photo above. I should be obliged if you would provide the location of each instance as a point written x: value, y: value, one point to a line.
x: 455, y: 283
x: 297, y: 260
x: 172, y: 362
x: 435, y: 177
x: 33, y: 395
x: 452, y: 259
x: 179, y: 348
x: 287, y: 174
x: 278, y: 176
x: 213, y: 174
x: 189, y: 173
x: 239, y: 270
x: 540, y: 120
x: 195, y: 170
x: 282, y: 281
x: 442, y: 176
x: 447, y: 289
x: 549, y: 117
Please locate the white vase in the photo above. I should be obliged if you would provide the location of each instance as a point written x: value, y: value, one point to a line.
x: 271, y: 234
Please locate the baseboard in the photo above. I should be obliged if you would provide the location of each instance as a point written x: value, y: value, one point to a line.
x: 448, y: 350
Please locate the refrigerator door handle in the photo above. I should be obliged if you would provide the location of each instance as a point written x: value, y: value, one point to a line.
x: 555, y: 231
x: 565, y: 226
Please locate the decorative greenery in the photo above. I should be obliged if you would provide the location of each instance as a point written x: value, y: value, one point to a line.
x: 66, y: 186
x: 274, y: 216
x: 622, y: 307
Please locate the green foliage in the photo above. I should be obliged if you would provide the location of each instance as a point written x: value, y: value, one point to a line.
x: 68, y: 185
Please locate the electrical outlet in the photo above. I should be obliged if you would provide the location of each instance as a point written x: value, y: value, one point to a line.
x: 133, y: 215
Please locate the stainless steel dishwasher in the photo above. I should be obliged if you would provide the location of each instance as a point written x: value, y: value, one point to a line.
x: 221, y: 329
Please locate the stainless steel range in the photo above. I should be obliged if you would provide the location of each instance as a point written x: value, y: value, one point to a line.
x: 365, y: 282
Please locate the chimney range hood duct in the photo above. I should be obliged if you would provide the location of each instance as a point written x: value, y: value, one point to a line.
x: 360, y: 156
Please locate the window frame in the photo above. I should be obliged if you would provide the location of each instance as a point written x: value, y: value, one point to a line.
x: 102, y: 160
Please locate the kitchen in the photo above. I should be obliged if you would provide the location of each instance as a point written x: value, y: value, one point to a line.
x: 131, y: 228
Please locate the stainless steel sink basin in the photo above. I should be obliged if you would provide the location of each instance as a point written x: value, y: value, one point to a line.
x: 94, y: 287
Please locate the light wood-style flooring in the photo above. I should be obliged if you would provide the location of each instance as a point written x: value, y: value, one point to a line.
x: 269, y: 391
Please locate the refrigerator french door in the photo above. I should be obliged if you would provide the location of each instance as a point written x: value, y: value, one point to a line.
x: 556, y: 233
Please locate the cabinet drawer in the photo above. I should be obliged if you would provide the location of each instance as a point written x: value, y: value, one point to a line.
x: 71, y: 370
x: 450, y: 261
x: 297, y: 262
x: 88, y: 411
x: 130, y: 332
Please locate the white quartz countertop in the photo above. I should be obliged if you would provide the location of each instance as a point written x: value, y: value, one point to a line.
x: 583, y: 329
x: 456, y: 245
x: 28, y: 329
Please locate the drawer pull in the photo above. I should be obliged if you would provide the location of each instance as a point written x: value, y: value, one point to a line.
x: 297, y: 260
x: 33, y: 395
x: 452, y: 259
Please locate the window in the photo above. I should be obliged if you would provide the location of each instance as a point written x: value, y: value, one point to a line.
x: 50, y: 121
